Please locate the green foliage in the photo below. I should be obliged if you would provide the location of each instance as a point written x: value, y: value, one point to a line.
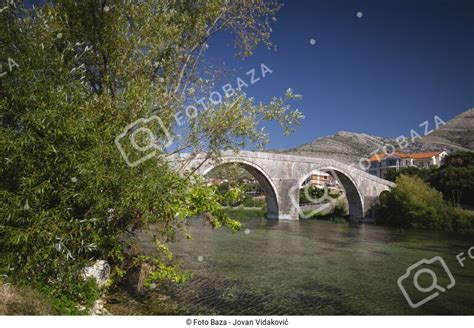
x: 392, y: 174
x: 75, y: 300
x: 238, y: 186
x: 22, y: 300
x: 455, y: 178
x: 239, y: 213
x: 68, y: 198
x: 459, y: 159
x: 162, y: 269
x: 462, y: 220
x: 413, y: 203
x: 309, y: 194
x: 251, y: 201
x: 335, y: 194
x: 248, y: 202
x: 340, y: 210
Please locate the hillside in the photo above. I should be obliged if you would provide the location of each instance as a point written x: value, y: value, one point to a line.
x: 347, y: 147
x: 458, y: 133
x: 350, y: 147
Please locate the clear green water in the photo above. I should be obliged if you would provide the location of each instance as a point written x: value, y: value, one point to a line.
x: 316, y: 267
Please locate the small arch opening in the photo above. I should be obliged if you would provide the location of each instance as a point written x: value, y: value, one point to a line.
x: 259, y: 193
x: 329, y: 193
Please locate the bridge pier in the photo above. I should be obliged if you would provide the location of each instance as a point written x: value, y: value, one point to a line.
x: 288, y: 199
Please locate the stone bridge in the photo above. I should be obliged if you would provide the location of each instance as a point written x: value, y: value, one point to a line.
x: 282, y: 175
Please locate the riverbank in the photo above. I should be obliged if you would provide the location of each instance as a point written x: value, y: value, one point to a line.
x: 241, y: 212
x: 121, y: 301
x: 20, y: 300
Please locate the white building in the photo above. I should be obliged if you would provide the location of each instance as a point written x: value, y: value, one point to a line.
x: 380, y: 163
x: 321, y: 179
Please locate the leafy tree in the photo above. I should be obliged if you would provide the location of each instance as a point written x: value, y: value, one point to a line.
x: 413, y: 203
x: 392, y: 174
x: 87, y: 69
x: 455, y: 178
x: 456, y: 184
x: 459, y: 159
x: 340, y: 210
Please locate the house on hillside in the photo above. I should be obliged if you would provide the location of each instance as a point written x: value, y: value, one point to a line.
x: 380, y: 163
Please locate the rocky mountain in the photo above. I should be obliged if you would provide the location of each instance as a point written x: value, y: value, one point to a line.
x: 347, y: 147
x: 457, y: 133
x: 350, y: 147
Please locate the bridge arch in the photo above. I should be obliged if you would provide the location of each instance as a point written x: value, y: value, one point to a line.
x: 352, y: 192
x: 279, y: 174
x: 261, y: 176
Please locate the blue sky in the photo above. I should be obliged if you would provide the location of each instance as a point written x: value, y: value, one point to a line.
x: 384, y: 73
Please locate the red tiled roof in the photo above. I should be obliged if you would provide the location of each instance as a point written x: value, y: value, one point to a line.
x: 379, y: 157
x: 425, y: 155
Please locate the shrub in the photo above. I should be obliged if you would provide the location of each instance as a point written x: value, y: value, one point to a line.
x: 462, y: 220
x: 413, y: 203
x: 455, y: 177
x: 340, y: 210
x: 456, y: 182
x: 392, y: 174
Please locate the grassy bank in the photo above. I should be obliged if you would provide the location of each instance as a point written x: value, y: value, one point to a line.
x: 21, y: 300
x: 245, y: 212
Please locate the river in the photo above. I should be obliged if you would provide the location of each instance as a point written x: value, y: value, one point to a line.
x: 319, y: 267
